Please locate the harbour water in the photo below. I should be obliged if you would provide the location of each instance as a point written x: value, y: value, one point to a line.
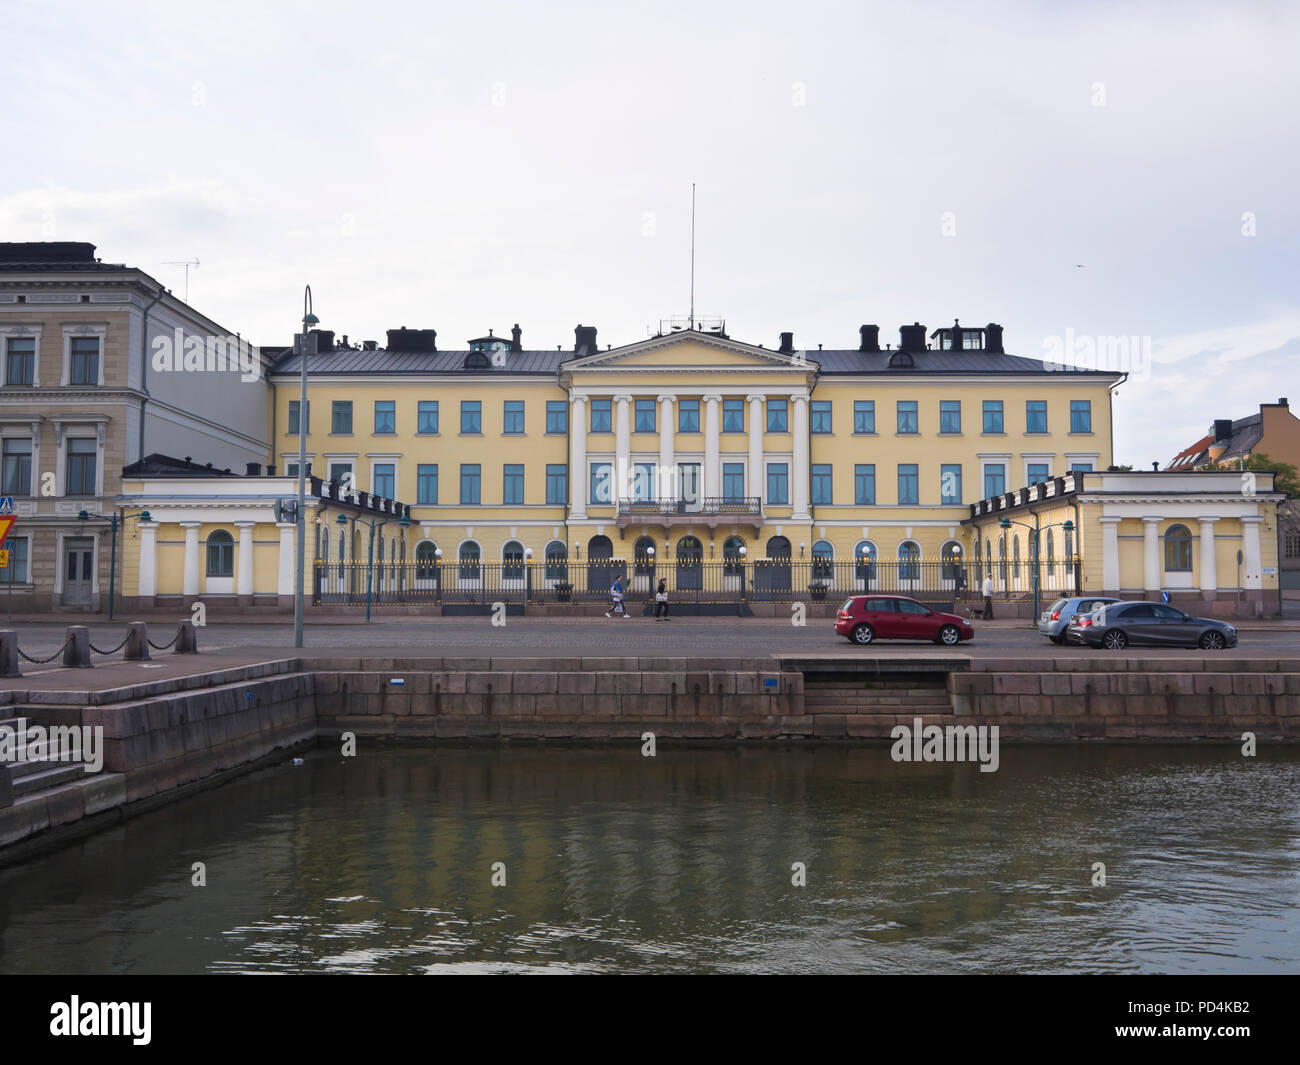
x: 684, y: 862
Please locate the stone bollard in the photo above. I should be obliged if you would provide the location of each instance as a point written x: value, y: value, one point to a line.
x: 9, y: 654
x: 77, y: 653
x: 137, y: 642
x: 6, y: 787
x: 187, y: 640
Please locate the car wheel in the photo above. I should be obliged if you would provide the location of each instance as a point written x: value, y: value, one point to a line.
x: 864, y: 634
x: 1114, y: 640
x: 949, y: 635
x: 1058, y: 639
x: 1213, y: 641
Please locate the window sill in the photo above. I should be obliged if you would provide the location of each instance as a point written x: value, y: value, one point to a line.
x: 957, y: 433
x: 1087, y: 432
x: 434, y: 433
x: 906, y: 434
x: 989, y: 432
x: 469, y: 434
x: 872, y: 433
x: 336, y: 434
x: 389, y: 433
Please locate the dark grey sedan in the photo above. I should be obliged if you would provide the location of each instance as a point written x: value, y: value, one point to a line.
x: 1115, y: 626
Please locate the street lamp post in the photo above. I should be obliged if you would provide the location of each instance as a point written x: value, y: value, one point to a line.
x: 1035, y: 530
x: 403, y: 522
x: 112, y: 555
x: 304, y: 343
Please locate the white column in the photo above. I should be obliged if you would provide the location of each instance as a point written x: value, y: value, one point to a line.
x: 244, y: 572
x: 622, y: 447
x: 712, y: 452
x: 799, y: 475
x: 1252, y: 571
x: 1151, y: 554
x: 1209, y: 568
x: 756, y: 446
x: 190, y: 584
x: 284, y: 585
x: 578, y: 458
x: 667, y: 487
x: 1110, y: 555
x: 147, y: 584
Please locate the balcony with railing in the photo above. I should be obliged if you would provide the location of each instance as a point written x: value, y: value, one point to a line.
x: 710, y: 511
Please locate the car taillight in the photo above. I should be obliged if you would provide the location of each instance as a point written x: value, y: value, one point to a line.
x: 1056, y: 615
x: 1084, y: 622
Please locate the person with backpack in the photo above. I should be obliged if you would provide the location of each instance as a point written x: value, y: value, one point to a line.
x: 661, y: 599
x: 616, y: 595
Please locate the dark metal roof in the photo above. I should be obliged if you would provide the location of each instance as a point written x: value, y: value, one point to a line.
x: 50, y: 256
x: 158, y: 465
x: 420, y: 362
x: 930, y: 361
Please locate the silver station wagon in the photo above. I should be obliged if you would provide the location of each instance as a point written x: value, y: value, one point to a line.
x: 1053, y: 621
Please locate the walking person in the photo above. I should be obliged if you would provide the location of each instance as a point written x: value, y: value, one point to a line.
x: 616, y: 597
x: 988, y: 598
x: 661, y: 599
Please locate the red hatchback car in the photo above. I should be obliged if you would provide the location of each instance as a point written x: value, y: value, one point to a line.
x: 865, y: 619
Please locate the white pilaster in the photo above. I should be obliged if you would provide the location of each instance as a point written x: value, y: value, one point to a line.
x: 190, y: 582
x: 244, y: 572
x: 147, y: 585
x: 799, y: 475
x: 285, y: 583
x: 1252, y: 575
x: 712, y: 451
x: 622, y: 487
x: 755, y: 445
x: 1151, y: 554
x: 578, y: 458
x: 1110, y: 554
x: 1209, y: 567
x: 667, y: 488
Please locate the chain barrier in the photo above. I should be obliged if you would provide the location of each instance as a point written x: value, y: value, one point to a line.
x: 42, y: 661
x: 164, y: 646
x: 114, y: 650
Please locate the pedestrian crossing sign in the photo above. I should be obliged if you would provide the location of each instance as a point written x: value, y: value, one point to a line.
x: 6, y: 504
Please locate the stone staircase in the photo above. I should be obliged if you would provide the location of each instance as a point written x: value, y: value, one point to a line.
x: 902, y: 695
x: 37, y: 772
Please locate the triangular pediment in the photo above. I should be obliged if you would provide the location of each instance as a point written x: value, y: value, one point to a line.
x: 688, y: 349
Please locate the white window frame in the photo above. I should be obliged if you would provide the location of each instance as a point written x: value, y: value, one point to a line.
x: 78, y: 331
x: 22, y: 332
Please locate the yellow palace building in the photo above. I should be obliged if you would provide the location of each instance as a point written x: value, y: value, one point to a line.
x: 689, y: 443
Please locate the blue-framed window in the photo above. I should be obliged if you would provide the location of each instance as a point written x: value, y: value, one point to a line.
x: 602, y: 415
x: 512, y: 417
x: 1080, y: 415
x: 950, y: 483
x: 341, y: 416
x: 1080, y: 467
x: 385, y: 417
x: 1039, y: 472
x: 471, y: 483
x: 909, y: 482
x: 643, y: 480
x: 993, y: 416
x: 385, y: 480
x: 733, y: 415
x: 995, y: 479
x: 820, y: 419
x: 950, y: 416
x: 822, y: 483
x: 733, y: 480
x: 643, y: 416
x: 16, y: 572
x: 557, y: 484
x: 602, y: 481
x: 427, y: 416
x: 512, y: 483
x: 864, y: 484
x: 907, y: 416
x: 1036, y: 416
x: 688, y: 415
x: 293, y: 417
x: 471, y: 416
x: 864, y: 415
x: 426, y: 483
x: 778, y: 483
x: 778, y: 415
x: 557, y: 416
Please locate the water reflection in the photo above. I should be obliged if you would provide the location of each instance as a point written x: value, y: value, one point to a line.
x: 683, y: 863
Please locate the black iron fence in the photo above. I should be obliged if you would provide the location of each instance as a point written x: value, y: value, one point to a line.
x: 689, y: 580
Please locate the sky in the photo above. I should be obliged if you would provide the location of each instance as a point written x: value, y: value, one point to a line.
x: 1076, y: 172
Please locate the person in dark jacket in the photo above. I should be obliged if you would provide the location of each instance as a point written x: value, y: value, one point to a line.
x: 661, y: 600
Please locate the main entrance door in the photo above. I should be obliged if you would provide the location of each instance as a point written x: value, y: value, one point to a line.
x: 78, y: 571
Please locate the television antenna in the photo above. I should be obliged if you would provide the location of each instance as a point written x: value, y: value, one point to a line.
x: 187, y: 263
